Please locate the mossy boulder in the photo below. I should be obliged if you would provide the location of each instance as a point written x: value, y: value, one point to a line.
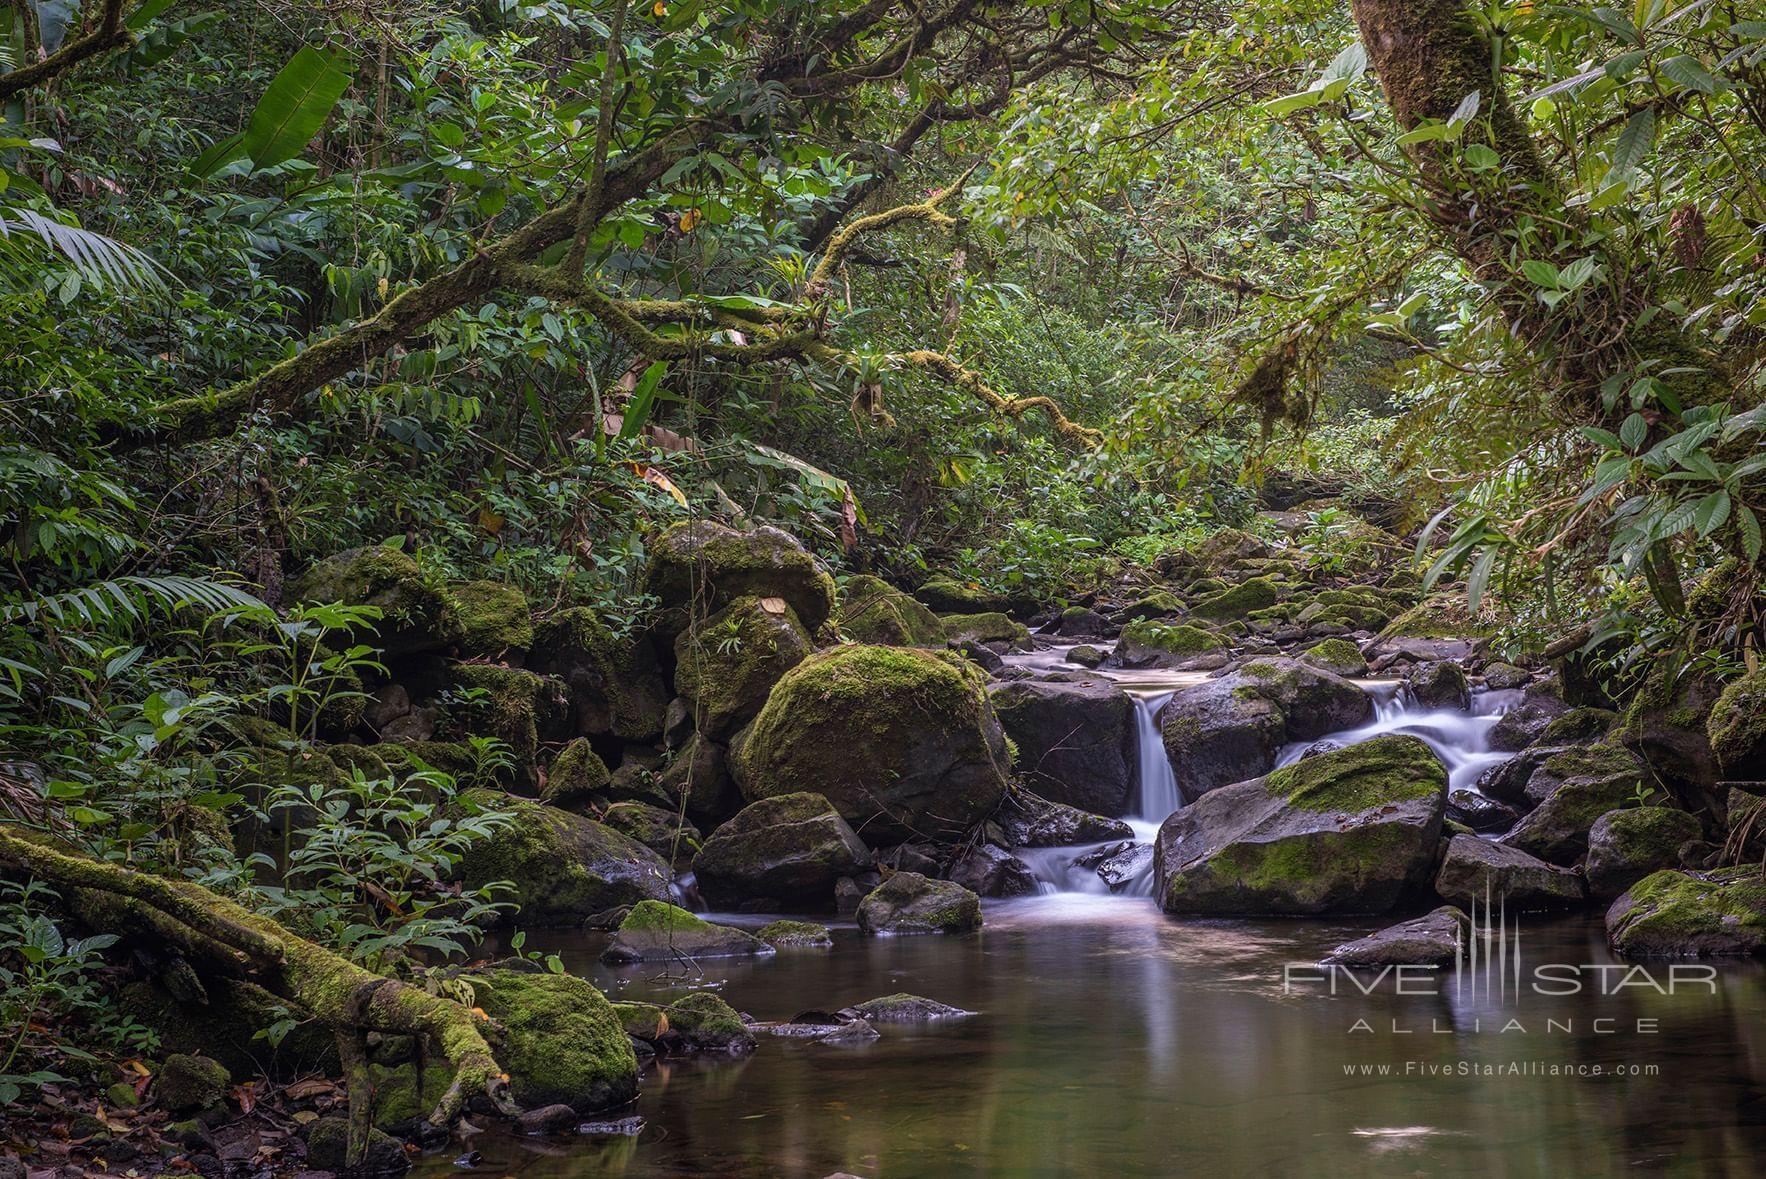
x: 1480, y: 870
x: 1624, y: 846
x: 1229, y: 547
x: 1572, y: 789
x: 702, y: 1022
x: 1664, y: 724
x: 1350, y: 831
x: 1440, y: 684
x: 1148, y: 643
x: 706, y: 565
x: 911, y: 903
x: 1736, y: 728
x: 1673, y: 914
x: 328, y: 1141
x: 404, y: 1095
x: 667, y: 833
x: 783, y: 851
x: 726, y: 666
x: 700, y: 771
x: 615, y: 683
x: 493, y: 618
x: 1433, y: 939
x: 993, y: 628
x: 903, y: 742
x: 1578, y: 724
x: 516, y: 706
x: 1075, y: 739
x: 1441, y: 616
x: 564, y: 867
x: 1081, y: 622
x: 655, y: 931
x: 187, y: 1083
x: 577, y: 777
x: 873, y: 611
x: 558, y: 1038
x: 947, y: 595
x: 1029, y: 820
x: 417, y: 612
x: 1254, y: 593
x: 1230, y: 729
x: 1340, y: 657
x: 795, y: 935
x: 1158, y: 604
x: 1505, y: 676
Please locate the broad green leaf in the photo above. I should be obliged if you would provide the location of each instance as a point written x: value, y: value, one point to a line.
x: 1688, y: 72
x: 1633, y: 142
x: 1710, y: 512
x: 1427, y: 133
x: 295, y: 106
x: 220, y: 153
x: 1633, y: 431
x: 1541, y: 274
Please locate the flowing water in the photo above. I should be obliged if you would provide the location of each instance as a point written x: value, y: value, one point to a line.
x: 1110, y: 1040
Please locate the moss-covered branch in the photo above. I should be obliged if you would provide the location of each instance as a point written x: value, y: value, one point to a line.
x: 339, y: 994
x: 107, y: 34
x: 841, y: 243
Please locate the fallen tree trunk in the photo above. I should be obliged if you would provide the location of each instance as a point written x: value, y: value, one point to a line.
x: 347, y: 999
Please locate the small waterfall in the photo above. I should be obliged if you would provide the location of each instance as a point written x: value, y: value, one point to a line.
x: 1155, y: 785
x: 1459, y: 739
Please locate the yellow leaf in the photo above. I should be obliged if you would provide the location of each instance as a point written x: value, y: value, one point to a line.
x: 689, y: 219
x: 661, y: 8
x: 773, y: 605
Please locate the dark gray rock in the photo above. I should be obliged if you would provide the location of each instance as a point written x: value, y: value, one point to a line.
x: 904, y: 1008
x: 1573, y: 789
x: 1029, y: 820
x: 1527, y: 721
x: 911, y: 903
x: 1624, y: 846
x: 1430, y: 940
x: 788, y: 850
x: 1480, y: 813
x: 1480, y: 870
x: 1691, y: 915
x: 990, y: 871
x: 1075, y: 738
x: 1440, y: 685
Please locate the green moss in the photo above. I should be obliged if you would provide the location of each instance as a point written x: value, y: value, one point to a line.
x: 728, y: 664
x: 1255, y: 593
x: 403, y: 1094
x: 1443, y: 616
x: 562, y: 866
x: 493, y: 617
x: 561, y: 1040
x: 661, y: 917
x: 617, y: 683
x: 1337, y: 656
x: 1737, y: 726
x: 1158, y: 604
x: 663, y: 832
x: 985, y: 628
x: 577, y: 776
x: 947, y: 595
x: 1178, y: 640
x: 794, y: 934
x: 706, y: 1021
x: 450, y: 757
x: 514, y: 705
x: 701, y: 561
x: 645, y: 1021
x: 1706, y: 912
x: 1578, y: 724
x: 873, y: 611
x: 186, y: 1083
x: 418, y: 614
x: 1384, y: 770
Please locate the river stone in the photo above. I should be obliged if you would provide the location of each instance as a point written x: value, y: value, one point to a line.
x: 1085, y: 655
x: 994, y: 630
x: 1579, y: 726
x: 947, y: 595
x: 1624, y: 846
x: 417, y: 612
x: 873, y: 611
x: 990, y: 871
x: 1345, y: 832
x: 1337, y: 656
x: 615, y: 684
x: 1674, y: 914
x: 1736, y: 728
x: 702, y: 1022
x: 1665, y: 726
x: 787, y: 850
x: 328, y: 1144
x: 188, y: 1083
x: 795, y: 935
x: 1076, y: 740
x: 1527, y: 721
x: 1029, y: 820
x: 1082, y: 622
x: 1584, y: 783
x: 564, y: 867
x: 904, y: 1008
x: 911, y: 903
x: 1506, y: 781
x: 1230, y: 729
x: 1440, y: 685
x: 1430, y: 940
x: 561, y: 1040
x: 1480, y: 813
x: 1148, y: 643
x: 655, y: 931
x: 903, y: 742
x: 1477, y: 869
x: 666, y: 833
x: 1504, y: 676
x: 707, y: 565
x: 727, y: 665
x: 700, y: 770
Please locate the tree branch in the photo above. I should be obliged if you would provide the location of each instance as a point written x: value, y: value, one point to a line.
x: 108, y: 34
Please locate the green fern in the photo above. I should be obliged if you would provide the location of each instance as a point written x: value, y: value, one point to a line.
x: 133, y: 598
x: 29, y: 242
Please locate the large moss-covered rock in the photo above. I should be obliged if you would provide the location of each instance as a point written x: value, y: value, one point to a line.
x: 1440, y: 684
x: 655, y: 931
x: 783, y: 851
x: 1254, y: 593
x: 615, y: 684
x: 1573, y: 788
x: 577, y: 777
x: 1230, y: 729
x: 702, y: 1022
x: 1148, y: 643
x: 417, y: 612
x: 564, y: 867
x: 1736, y: 728
x: 493, y: 618
x: 1691, y: 914
x: 1665, y: 725
x: 560, y: 1040
x: 188, y: 1083
x: 1340, y: 657
x: 1075, y: 739
x: 995, y: 629
x: 707, y: 566
x: 1350, y: 831
x: 911, y: 903
x: 947, y: 595
x: 1480, y: 870
x: 873, y: 611
x: 902, y: 742
x: 1624, y: 846
x: 516, y: 706
x: 726, y: 666
x: 667, y: 833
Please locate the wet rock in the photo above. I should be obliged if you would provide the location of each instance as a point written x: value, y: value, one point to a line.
x: 615, y: 684
x: 1624, y: 846
x: 614, y: 1127
x: 417, y: 613
x: 850, y: 892
x: 727, y: 665
x: 1076, y: 740
x: 1665, y: 726
x: 911, y: 903
x: 1480, y: 813
x: 790, y: 849
x: 562, y: 1042
x: 1337, y: 656
x: 1253, y: 593
x: 904, y: 1008
x: 548, y: 1119
x: 1527, y: 721
x: 187, y: 1084
x: 1578, y: 725
x: 1505, y: 676
x: 1676, y: 914
x: 1579, y: 785
x: 576, y: 778
x: 657, y: 932
x: 1085, y: 655
x: 795, y: 935
x: 1029, y: 820
x: 1345, y: 832
x: 873, y: 611
x: 1477, y: 869
x: 700, y: 770
x: 994, y: 630
x: 328, y: 1150
x: 667, y: 833
x: 705, y: 563
x: 826, y: 1027
x: 564, y: 867
x: 702, y: 1022
x: 990, y: 871
x: 1230, y: 729
x: 902, y: 742
x: 986, y: 658
x: 1149, y: 643
x: 1736, y: 728
x: 1430, y: 940
x: 946, y: 595
x: 1081, y: 622
x: 1440, y: 685
x: 1506, y: 781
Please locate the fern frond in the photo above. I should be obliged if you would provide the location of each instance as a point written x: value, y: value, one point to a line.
x: 133, y: 598
x: 29, y: 241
